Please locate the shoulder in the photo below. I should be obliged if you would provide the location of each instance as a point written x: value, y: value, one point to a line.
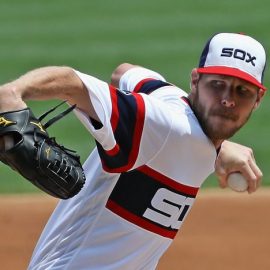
x: 135, y: 76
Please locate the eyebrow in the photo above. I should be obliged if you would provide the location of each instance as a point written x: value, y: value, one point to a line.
x: 243, y: 82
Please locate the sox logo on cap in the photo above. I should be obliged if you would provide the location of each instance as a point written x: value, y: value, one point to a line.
x: 239, y: 54
x: 235, y: 55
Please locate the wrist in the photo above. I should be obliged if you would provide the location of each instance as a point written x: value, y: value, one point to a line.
x: 10, y: 99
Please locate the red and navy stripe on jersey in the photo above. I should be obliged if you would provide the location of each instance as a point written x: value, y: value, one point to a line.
x: 149, y: 85
x: 134, y: 191
x: 133, y: 195
x: 127, y: 120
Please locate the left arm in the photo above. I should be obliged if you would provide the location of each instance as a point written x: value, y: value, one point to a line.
x: 119, y: 71
x: 234, y: 157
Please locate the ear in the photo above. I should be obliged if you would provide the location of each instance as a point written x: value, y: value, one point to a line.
x: 194, y: 80
x: 259, y: 99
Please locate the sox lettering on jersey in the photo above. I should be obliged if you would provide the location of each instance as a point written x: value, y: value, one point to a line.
x: 168, y: 208
x: 151, y: 201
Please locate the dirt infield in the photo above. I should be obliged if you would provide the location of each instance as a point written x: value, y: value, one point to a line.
x: 225, y: 230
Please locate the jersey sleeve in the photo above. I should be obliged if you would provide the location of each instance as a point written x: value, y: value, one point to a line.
x: 134, y: 78
x: 132, y: 129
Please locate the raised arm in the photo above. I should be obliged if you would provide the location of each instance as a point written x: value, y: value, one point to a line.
x: 25, y: 144
x: 119, y: 71
x: 44, y: 84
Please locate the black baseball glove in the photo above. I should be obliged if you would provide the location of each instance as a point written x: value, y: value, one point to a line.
x: 38, y: 157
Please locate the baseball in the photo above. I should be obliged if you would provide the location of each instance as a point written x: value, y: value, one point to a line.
x: 237, y: 182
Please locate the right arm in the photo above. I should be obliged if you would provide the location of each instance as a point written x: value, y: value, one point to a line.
x: 44, y: 84
x: 121, y: 115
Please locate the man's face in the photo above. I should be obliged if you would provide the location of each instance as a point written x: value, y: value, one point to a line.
x: 222, y: 104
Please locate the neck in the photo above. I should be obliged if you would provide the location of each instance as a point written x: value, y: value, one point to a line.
x: 216, y: 142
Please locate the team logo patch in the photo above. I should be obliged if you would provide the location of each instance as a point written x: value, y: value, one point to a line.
x: 126, y: 92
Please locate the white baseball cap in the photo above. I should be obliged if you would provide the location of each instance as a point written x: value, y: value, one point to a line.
x: 235, y: 55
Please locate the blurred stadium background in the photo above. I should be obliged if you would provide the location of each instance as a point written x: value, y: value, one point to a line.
x: 94, y: 36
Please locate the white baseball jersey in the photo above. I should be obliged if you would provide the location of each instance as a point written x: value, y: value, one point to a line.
x: 142, y: 178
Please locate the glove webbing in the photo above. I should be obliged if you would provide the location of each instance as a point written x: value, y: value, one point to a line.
x: 52, y: 121
x: 57, y: 117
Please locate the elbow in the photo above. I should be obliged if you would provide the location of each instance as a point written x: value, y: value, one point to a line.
x: 118, y: 73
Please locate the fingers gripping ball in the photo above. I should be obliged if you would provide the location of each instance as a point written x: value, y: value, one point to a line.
x: 237, y: 182
x: 30, y: 151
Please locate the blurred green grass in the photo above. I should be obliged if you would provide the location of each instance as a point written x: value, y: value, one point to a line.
x: 95, y: 36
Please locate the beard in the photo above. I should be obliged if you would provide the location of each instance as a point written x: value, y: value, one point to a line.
x: 218, y: 123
